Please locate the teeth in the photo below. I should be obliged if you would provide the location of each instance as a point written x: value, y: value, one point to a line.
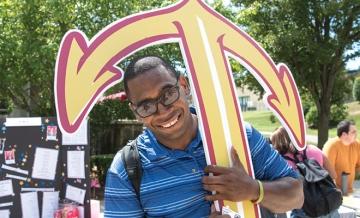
x: 170, y: 123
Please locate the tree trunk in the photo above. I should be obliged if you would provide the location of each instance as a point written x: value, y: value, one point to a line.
x: 323, y: 123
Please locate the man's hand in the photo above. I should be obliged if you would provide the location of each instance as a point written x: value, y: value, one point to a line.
x: 230, y: 183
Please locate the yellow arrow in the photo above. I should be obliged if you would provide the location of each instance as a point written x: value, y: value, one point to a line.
x: 83, y: 72
x: 85, y: 69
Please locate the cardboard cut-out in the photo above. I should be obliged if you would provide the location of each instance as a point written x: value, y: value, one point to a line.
x: 86, y: 69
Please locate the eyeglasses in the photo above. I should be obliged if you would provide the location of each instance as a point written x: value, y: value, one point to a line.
x: 352, y: 132
x: 166, y: 98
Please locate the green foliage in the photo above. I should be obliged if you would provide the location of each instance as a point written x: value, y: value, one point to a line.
x: 29, y: 40
x: 102, y: 162
x: 169, y: 51
x: 243, y: 78
x: 337, y: 114
x: 31, y: 32
x: 306, y: 102
x: 6, y: 105
x: 260, y: 120
x: 227, y: 12
x: 311, y: 117
x: 343, y: 91
x: 356, y: 89
x: 312, y: 38
x: 272, y: 118
x: 108, y: 111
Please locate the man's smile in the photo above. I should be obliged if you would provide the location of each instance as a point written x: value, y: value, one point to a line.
x: 171, y: 122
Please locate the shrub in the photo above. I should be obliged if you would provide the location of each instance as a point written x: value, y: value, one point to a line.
x: 337, y: 114
x: 6, y: 105
x: 356, y: 89
x: 272, y: 118
x: 312, y: 117
x: 306, y: 102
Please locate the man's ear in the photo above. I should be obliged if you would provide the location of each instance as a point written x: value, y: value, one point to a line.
x: 136, y: 115
x: 185, y: 84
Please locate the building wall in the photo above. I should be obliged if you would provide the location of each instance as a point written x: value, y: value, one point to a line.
x: 249, y: 101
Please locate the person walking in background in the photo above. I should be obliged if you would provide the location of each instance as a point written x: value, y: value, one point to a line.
x: 343, y: 153
x: 282, y: 143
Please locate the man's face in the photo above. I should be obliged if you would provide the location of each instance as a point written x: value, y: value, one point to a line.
x: 168, y: 122
x: 350, y: 137
x: 352, y: 134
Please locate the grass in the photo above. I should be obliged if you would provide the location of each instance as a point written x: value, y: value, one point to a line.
x: 261, y: 120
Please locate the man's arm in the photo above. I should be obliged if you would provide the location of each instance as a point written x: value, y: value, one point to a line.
x: 329, y: 167
x: 283, y: 194
x: 234, y: 184
x: 330, y: 153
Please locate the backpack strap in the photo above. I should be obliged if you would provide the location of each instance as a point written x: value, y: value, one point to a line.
x: 296, y: 159
x: 132, y: 164
x: 289, y: 158
x: 304, y: 156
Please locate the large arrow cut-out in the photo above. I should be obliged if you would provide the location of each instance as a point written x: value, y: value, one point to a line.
x: 84, y: 70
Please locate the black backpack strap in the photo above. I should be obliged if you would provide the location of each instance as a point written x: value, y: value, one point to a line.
x: 289, y: 158
x: 304, y: 156
x: 132, y: 164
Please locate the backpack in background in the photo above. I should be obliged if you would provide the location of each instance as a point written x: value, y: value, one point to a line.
x: 320, y: 192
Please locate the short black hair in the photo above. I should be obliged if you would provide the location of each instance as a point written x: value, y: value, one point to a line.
x: 344, y: 126
x: 143, y: 64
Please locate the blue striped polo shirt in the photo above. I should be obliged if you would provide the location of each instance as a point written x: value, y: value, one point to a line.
x: 171, y: 183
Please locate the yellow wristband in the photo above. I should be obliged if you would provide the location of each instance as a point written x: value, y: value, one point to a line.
x: 261, y: 193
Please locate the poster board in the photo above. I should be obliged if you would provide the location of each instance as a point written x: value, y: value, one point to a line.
x: 34, y: 164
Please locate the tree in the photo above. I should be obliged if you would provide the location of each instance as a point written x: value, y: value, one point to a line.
x: 31, y: 32
x: 312, y: 38
x: 356, y: 89
x: 29, y: 39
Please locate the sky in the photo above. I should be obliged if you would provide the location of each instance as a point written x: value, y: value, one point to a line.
x: 353, y: 64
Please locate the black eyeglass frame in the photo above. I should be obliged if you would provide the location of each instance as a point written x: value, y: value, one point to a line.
x: 159, y: 99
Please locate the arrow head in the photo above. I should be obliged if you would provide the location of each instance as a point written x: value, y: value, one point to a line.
x: 76, y: 87
x: 287, y: 104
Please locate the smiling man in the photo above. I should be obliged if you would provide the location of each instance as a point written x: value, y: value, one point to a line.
x: 343, y: 153
x: 175, y: 181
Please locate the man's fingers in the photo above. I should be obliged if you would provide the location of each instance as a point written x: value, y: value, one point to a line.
x: 212, y: 180
x: 216, y: 170
x: 217, y: 188
x: 235, y: 158
x: 215, y: 197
